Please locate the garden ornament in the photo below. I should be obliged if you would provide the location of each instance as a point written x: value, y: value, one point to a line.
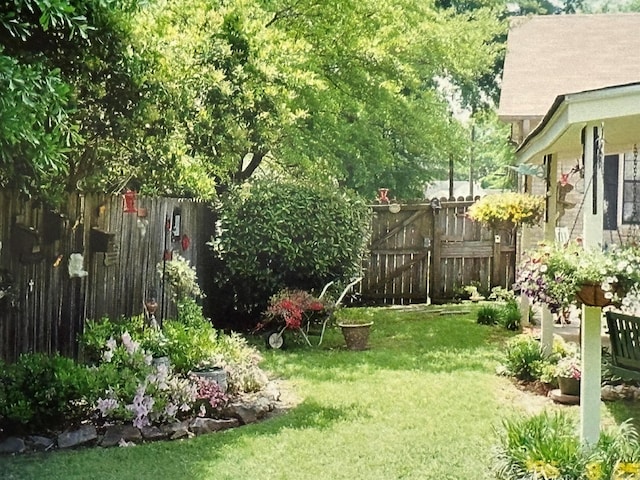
x: 76, y: 269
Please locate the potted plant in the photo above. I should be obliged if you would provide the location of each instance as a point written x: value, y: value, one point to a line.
x: 355, y: 324
x: 568, y: 372
x: 561, y: 276
x: 507, y: 210
x: 210, y: 370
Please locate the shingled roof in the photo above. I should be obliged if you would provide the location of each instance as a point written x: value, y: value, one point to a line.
x: 553, y: 55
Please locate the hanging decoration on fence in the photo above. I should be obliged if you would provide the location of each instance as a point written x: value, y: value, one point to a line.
x: 142, y: 226
x: 383, y: 196
x: 185, y: 242
x: 76, y: 268
x: 176, y: 224
x: 129, y: 205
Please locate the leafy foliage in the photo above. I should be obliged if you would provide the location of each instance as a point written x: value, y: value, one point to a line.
x: 542, y: 446
x: 508, y: 209
x: 509, y: 316
x: 547, y: 446
x: 43, y: 391
x: 68, y: 92
x: 286, y: 234
x: 488, y: 314
x: 181, y: 277
x: 524, y: 358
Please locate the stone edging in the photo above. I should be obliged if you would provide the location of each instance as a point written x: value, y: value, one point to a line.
x: 243, y: 410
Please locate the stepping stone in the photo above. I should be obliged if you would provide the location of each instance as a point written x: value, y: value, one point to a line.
x: 560, y: 397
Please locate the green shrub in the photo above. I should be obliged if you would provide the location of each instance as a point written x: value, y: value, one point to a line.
x: 501, y: 294
x: 509, y: 316
x: 548, y: 446
x: 97, y: 332
x: 181, y: 277
x: 524, y: 358
x: 488, y: 315
x: 542, y: 446
x: 277, y: 234
x: 44, y: 391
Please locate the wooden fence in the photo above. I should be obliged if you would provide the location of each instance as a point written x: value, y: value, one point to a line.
x: 122, y: 246
x: 417, y: 252
x: 429, y: 251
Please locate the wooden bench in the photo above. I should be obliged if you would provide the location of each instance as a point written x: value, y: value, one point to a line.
x: 624, y: 333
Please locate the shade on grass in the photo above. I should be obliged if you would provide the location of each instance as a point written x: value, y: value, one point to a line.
x: 421, y: 403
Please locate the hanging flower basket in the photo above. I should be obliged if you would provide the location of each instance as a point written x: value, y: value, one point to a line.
x: 592, y: 295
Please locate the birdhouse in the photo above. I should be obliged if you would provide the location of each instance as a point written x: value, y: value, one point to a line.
x: 101, y: 241
x: 25, y: 243
x: 52, y: 226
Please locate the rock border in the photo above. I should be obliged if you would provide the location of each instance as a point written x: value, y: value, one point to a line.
x: 242, y: 410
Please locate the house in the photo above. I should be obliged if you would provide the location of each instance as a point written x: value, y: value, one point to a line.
x: 571, y: 91
x: 461, y: 188
x: 571, y: 83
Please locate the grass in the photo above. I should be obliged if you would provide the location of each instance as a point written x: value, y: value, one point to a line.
x: 422, y: 403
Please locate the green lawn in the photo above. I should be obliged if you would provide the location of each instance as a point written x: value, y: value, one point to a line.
x: 421, y: 403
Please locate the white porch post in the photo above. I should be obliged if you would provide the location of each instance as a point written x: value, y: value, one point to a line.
x: 590, y: 382
x: 591, y: 316
x: 546, y: 330
x: 592, y: 229
x: 525, y: 305
x: 551, y: 166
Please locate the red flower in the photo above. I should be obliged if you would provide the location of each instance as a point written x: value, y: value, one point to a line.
x: 316, y: 306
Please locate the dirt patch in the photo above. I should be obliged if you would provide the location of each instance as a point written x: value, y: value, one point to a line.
x: 529, y: 397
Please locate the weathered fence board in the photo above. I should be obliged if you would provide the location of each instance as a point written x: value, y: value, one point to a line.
x: 420, y: 252
x: 50, y: 308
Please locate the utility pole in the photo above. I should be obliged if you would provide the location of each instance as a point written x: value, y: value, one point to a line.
x: 450, y: 175
x: 471, y: 161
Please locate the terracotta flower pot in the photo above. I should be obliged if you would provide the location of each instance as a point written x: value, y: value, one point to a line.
x: 356, y: 336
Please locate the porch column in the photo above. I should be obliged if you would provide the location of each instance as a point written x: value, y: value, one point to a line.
x: 592, y: 316
x: 592, y: 229
x: 551, y: 176
x: 590, y: 381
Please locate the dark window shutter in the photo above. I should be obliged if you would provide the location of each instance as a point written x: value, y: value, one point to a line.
x: 610, y: 212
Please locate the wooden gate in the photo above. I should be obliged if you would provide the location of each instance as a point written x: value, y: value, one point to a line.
x: 428, y: 252
x: 399, y: 255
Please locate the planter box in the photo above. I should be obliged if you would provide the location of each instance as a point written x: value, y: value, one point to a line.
x: 101, y: 241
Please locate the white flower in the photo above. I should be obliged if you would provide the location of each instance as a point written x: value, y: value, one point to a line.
x: 107, y: 355
x: 111, y: 344
x: 608, y: 295
x: 543, y: 268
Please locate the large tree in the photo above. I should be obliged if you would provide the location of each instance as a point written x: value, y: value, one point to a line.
x: 187, y: 96
x: 68, y: 87
x: 344, y: 89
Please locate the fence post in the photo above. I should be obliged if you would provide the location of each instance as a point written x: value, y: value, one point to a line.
x: 496, y: 260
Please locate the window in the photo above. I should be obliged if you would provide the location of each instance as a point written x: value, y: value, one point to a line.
x: 631, y: 189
